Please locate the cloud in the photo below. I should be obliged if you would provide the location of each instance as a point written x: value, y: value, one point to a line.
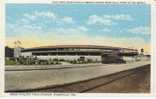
x: 29, y: 16
x: 108, y: 19
x: 36, y: 14
x: 82, y: 28
x: 23, y: 20
x: 32, y: 27
x: 94, y: 19
x: 119, y: 17
x: 47, y: 15
x: 106, y: 30
x: 69, y: 32
x: 37, y: 22
x: 21, y: 29
x: 140, y: 30
x: 68, y: 19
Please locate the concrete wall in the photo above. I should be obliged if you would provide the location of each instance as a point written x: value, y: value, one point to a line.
x: 66, y: 57
x: 25, y: 54
x: 129, y: 59
x: 133, y: 59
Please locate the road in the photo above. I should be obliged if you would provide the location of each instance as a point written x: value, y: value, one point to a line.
x: 31, y: 79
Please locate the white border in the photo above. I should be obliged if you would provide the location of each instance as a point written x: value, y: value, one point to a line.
x: 2, y: 43
x: 49, y: 1
x: 153, y: 48
x: 153, y: 36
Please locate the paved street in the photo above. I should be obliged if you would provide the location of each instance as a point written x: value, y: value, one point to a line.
x: 31, y: 79
x: 44, y: 67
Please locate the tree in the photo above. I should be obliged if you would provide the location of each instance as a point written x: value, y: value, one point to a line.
x: 142, y: 51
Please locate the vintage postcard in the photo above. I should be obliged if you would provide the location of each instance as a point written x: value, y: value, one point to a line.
x: 78, y: 48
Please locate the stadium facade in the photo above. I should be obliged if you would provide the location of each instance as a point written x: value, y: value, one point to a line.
x: 80, y: 52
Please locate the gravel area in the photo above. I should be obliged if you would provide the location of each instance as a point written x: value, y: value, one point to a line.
x: 139, y: 82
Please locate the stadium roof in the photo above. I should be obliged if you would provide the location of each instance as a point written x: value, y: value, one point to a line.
x: 80, y: 46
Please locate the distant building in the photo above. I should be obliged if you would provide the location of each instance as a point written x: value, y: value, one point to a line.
x: 9, y: 52
x: 12, y: 52
x: 17, y: 52
x: 103, y: 54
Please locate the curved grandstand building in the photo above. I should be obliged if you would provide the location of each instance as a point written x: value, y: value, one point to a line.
x: 79, y: 52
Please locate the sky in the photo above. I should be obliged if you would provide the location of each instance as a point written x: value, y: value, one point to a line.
x: 78, y: 24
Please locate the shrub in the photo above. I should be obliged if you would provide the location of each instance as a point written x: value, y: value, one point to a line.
x: 10, y: 62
